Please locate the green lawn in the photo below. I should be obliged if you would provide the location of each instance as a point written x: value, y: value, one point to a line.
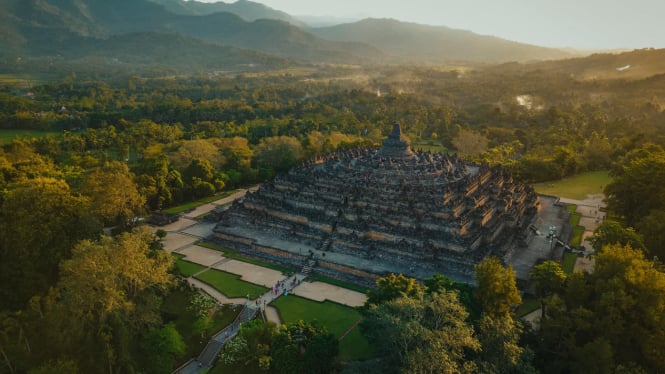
x: 194, y: 204
x: 335, y: 317
x: 230, y: 284
x: 578, y: 231
x: 576, y: 238
x: 186, y: 268
x: 231, y: 253
x: 355, y: 346
x: 569, y: 260
x: 6, y: 136
x: 577, y: 187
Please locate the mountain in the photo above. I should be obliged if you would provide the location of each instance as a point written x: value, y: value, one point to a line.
x: 411, y: 42
x: 44, y: 27
x: 67, y: 28
x: 247, y: 10
x: 176, y: 51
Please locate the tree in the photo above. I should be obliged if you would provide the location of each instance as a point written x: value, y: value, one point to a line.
x: 279, y: 153
x: 236, y: 153
x: 393, y: 286
x: 501, y: 351
x: 61, y: 366
x: 161, y: 347
x: 497, y: 290
x: 40, y: 220
x: 652, y: 229
x: 612, y: 317
x: 200, y: 169
x: 611, y: 232
x: 422, y: 333
x: 466, y: 292
x: 548, y: 277
x: 113, y: 194
x: 303, y: 348
x: 469, y: 143
x: 252, y: 345
x: 107, y: 295
x: 638, y: 184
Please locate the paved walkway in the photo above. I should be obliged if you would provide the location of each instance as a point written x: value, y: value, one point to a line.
x: 182, y: 238
x: 591, y: 218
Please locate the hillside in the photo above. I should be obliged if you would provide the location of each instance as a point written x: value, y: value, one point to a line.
x: 47, y: 27
x: 150, y: 48
x: 637, y: 64
x: 247, y: 10
x: 411, y: 42
x: 42, y: 28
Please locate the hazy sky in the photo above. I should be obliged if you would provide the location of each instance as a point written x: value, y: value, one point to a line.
x: 588, y: 24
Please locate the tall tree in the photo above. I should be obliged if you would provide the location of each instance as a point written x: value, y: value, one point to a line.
x: 422, y: 334
x: 501, y: 351
x: 303, y: 348
x: 113, y: 194
x: 393, y: 286
x: 638, y: 184
x: 40, y: 220
x: 497, y: 290
x: 611, y: 232
x: 108, y: 295
x: 610, y: 318
x: 279, y: 153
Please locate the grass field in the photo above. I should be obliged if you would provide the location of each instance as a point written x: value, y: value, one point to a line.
x: 569, y: 262
x: 233, y: 254
x: 186, y: 268
x: 335, y: 317
x: 577, y: 187
x: 194, y: 204
x: 230, y: 284
x: 6, y: 136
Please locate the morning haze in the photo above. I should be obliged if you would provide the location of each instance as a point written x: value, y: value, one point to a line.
x: 588, y: 24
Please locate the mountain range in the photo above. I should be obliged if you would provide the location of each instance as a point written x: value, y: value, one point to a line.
x: 220, y: 35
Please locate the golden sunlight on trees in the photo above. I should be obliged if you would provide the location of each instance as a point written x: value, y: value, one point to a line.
x: 469, y: 143
x: 113, y: 194
x: 497, y: 289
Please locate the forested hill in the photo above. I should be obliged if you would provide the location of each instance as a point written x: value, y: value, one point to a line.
x: 413, y: 42
x: 247, y: 10
x: 64, y: 29
x: 637, y: 64
x: 36, y: 28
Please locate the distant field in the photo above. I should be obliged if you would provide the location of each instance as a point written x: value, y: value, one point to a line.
x: 577, y: 187
x: 6, y: 136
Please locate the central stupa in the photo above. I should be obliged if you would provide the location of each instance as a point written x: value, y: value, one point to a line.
x: 366, y: 212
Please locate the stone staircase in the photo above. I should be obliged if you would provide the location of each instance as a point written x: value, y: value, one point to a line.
x: 307, y: 268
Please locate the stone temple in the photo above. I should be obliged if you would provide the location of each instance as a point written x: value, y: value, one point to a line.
x: 359, y: 214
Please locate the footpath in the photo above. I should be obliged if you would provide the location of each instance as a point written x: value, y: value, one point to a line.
x: 182, y: 238
x: 207, y: 358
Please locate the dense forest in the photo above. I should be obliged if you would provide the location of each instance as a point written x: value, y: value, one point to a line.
x: 116, y: 146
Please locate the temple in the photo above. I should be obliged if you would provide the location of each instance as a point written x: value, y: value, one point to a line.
x: 359, y: 214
